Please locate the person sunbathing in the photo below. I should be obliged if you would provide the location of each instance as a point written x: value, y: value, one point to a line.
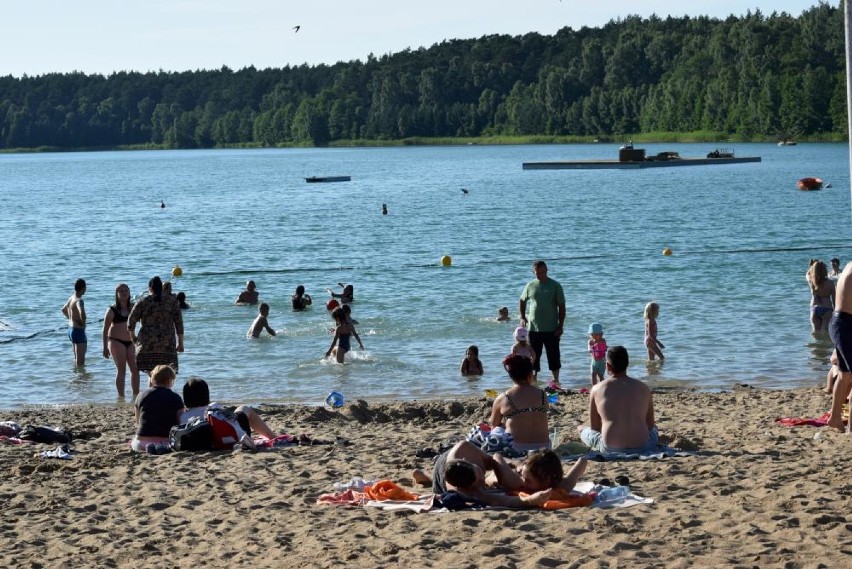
x: 463, y: 469
x: 196, y: 397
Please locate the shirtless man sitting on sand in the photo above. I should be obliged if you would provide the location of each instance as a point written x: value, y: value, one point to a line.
x: 621, y: 411
x: 840, y: 330
x: 471, y: 472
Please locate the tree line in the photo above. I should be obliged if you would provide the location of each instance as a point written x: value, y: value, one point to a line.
x: 752, y: 76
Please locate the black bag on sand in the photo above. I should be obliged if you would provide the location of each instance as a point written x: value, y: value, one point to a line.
x: 44, y: 435
x: 196, y: 434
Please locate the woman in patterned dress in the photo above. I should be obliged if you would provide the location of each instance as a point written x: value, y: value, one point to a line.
x: 161, y: 324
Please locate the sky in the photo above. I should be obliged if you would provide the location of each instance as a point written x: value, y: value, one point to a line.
x: 102, y: 36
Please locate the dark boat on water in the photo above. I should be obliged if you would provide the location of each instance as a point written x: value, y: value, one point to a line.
x: 318, y: 179
x: 635, y: 158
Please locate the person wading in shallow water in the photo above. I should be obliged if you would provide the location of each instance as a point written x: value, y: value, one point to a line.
x: 546, y: 302
x: 74, y: 310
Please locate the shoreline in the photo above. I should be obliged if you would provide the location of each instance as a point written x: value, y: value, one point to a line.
x: 388, y: 399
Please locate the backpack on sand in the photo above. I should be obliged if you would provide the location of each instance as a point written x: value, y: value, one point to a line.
x: 195, y: 434
x: 227, y: 432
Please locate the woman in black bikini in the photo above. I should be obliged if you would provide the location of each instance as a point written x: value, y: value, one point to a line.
x: 117, y: 340
x: 522, y: 410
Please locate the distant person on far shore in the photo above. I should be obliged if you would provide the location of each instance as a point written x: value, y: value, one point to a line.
x: 840, y: 330
x: 471, y: 365
x: 822, y: 296
x: 249, y: 295
x: 74, y: 310
x: 261, y: 322
x: 655, y: 347
x: 301, y: 300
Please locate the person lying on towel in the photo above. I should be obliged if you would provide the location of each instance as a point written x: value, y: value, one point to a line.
x: 463, y: 469
x: 621, y: 411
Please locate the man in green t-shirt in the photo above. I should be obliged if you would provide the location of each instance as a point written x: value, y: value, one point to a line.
x: 546, y: 303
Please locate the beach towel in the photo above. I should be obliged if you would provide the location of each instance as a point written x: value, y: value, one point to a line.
x: 15, y: 441
x: 820, y: 421
x: 388, y: 490
x: 345, y: 498
x: 561, y: 499
x: 381, y: 491
x: 653, y: 454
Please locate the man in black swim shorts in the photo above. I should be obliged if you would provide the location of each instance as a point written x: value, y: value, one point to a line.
x: 840, y: 330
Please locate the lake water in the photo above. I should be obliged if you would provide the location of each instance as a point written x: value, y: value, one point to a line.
x: 734, y: 302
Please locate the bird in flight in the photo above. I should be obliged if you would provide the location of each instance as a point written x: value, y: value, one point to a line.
x: 296, y: 28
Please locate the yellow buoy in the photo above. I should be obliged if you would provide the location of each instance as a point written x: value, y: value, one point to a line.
x: 446, y: 260
x: 667, y: 252
x: 177, y: 271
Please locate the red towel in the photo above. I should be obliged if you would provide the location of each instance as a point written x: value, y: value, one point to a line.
x: 820, y: 421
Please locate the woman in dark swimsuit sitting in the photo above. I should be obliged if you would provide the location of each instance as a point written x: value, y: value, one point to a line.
x: 522, y: 410
x: 117, y: 340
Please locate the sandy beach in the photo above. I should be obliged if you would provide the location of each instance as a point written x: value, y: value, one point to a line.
x: 756, y: 494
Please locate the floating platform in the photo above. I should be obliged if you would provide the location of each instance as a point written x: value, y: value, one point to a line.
x: 318, y: 179
x: 630, y: 158
x: 637, y: 164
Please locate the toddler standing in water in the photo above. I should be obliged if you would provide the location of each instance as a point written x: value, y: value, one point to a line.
x: 471, y: 365
x: 597, y: 347
x: 655, y: 347
x: 522, y: 347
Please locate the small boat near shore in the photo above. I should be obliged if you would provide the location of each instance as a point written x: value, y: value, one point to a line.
x: 809, y: 184
x: 635, y: 158
x: 320, y: 179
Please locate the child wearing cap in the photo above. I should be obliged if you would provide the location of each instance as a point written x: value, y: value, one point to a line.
x: 522, y: 346
x: 597, y: 347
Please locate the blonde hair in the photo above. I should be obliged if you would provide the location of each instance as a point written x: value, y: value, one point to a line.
x: 652, y: 310
x: 817, y: 273
x: 163, y: 375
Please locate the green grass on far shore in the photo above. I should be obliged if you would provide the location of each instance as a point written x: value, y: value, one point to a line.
x: 639, y: 138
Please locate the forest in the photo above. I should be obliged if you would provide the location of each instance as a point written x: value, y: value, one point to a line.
x: 754, y: 77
